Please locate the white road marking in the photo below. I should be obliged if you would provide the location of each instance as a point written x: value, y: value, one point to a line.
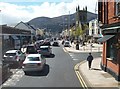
x: 75, y: 59
x: 72, y: 57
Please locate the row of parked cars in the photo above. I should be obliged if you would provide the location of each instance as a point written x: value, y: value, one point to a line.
x: 31, y: 57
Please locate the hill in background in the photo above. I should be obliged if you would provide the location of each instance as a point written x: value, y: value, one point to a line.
x: 57, y: 24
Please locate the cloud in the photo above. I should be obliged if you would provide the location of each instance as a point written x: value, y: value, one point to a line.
x: 14, y: 13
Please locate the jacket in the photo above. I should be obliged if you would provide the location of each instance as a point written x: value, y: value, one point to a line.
x: 90, y: 58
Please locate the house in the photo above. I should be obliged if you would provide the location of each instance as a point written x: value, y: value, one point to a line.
x: 14, y: 37
x: 27, y: 27
x: 109, y: 18
x: 94, y: 30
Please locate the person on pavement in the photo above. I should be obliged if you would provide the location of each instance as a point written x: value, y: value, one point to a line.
x: 89, y: 59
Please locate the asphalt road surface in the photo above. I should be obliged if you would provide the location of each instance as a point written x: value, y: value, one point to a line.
x: 58, y: 72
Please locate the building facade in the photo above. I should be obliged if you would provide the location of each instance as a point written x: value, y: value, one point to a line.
x: 109, y: 18
x: 94, y: 30
x: 14, y: 37
x: 27, y: 27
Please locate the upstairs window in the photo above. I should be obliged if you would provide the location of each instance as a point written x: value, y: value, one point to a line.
x: 118, y: 7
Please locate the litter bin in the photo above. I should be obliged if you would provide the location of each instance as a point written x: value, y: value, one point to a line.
x: 77, y: 46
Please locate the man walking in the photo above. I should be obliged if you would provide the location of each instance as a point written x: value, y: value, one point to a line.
x: 89, y: 59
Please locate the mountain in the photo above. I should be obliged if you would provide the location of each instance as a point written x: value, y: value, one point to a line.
x: 57, y: 24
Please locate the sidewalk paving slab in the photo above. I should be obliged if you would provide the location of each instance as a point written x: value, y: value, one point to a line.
x: 97, y: 77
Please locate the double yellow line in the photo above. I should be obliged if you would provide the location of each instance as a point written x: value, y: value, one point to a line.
x: 82, y: 82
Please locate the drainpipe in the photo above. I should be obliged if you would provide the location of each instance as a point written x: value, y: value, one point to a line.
x: 106, y: 21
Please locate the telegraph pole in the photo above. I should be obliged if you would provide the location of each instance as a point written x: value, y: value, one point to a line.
x: 69, y: 25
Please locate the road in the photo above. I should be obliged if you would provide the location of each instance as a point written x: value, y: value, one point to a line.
x: 59, y: 72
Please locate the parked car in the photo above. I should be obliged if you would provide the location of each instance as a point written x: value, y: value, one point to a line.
x: 46, y: 43
x: 14, y: 57
x: 30, y: 49
x: 67, y: 44
x: 39, y: 43
x: 55, y: 43
x: 33, y: 62
x: 45, y: 50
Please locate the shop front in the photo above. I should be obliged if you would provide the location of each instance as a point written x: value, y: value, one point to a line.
x: 111, y: 50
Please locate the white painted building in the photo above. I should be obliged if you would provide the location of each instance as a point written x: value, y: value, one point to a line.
x: 94, y: 30
x: 27, y: 27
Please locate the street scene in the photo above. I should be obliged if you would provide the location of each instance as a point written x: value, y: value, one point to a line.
x: 59, y: 43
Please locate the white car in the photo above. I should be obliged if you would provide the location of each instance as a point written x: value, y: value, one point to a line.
x: 33, y: 62
x: 13, y: 56
x: 67, y: 44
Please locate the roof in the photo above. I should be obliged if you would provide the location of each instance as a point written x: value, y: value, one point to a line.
x: 11, y: 51
x: 34, y: 55
x: 27, y: 24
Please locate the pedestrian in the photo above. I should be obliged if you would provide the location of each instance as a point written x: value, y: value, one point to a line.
x: 89, y: 59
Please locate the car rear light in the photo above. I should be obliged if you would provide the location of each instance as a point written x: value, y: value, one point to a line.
x: 38, y: 64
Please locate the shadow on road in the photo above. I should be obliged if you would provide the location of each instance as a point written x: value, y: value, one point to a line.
x: 44, y: 72
x: 51, y: 56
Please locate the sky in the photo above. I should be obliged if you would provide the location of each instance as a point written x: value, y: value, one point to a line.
x: 14, y: 11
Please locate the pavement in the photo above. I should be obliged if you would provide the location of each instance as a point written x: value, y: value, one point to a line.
x: 96, y: 77
x: 86, y: 48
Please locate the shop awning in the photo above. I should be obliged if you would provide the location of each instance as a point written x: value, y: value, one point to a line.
x: 98, y: 36
x: 15, y: 37
x: 105, y: 38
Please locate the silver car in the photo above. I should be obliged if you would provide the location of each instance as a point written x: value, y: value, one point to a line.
x: 45, y: 50
x: 13, y: 56
x: 67, y: 44
x: 33, y: 62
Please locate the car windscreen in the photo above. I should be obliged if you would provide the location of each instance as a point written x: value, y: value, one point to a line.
x: 10, y: 54
x: 31, y: 50
x: 67, y: 43
x: 55, y: 42
x: 33, y: 58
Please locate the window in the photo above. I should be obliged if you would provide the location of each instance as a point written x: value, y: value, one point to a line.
x: 10, y: 54
x: 33, y: 58
x: 98, y: 31
x: 111, y: 49
x: 117, y: 7
x: 92, y: 31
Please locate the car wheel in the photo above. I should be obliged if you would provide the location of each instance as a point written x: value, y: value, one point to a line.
x: 25, y: 72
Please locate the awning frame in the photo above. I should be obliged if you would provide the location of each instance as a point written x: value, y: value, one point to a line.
x: 105, y: 38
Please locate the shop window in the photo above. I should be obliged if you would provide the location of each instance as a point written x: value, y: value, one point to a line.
x: 111, y: 49
x: 117, y: 7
